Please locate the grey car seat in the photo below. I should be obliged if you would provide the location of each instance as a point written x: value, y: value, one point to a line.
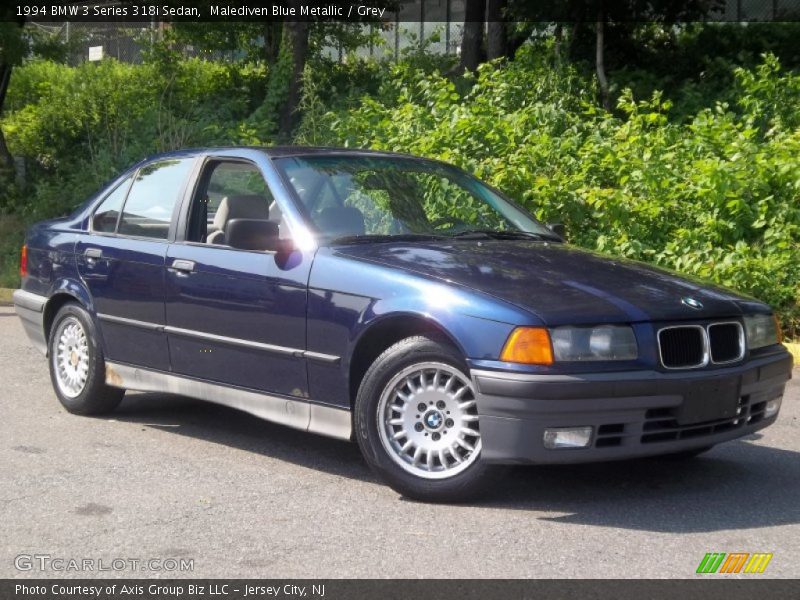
x: 341, y: 221
x: 250, y: 206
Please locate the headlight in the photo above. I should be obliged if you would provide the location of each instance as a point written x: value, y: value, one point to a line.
x: 605, y: 342
x: 762, y: 330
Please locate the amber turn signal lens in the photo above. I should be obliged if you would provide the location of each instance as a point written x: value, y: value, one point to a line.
x: 529, y: 345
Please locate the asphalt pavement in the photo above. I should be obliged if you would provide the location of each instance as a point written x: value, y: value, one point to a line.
x: 169, y: 479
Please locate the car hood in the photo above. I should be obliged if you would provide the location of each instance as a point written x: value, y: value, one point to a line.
x: 559, y: 283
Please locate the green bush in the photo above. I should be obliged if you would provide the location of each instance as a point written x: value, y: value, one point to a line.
x: 77, y: 127
x: 715, y: 196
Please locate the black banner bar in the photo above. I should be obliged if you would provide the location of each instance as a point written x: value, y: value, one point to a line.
x: 711, y: 588
x: 397, y: 11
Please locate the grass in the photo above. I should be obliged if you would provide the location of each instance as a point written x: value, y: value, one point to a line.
x: 794, y: 348
x: 12, y: 232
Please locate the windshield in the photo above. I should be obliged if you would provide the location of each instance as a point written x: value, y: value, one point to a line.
x: 364, y: 197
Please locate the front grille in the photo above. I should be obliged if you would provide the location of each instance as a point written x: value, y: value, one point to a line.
x: 661, y: 424
x: 682, y: 347
x: 726, y: 342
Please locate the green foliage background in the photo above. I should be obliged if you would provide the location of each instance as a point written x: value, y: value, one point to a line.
x: 703, y: 178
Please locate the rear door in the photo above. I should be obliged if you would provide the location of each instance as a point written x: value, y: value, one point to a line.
x: 235, y: 316
x: 121, y: 260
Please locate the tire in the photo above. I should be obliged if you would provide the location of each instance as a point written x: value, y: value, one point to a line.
x: 427, y: 461
x: 77, y: 369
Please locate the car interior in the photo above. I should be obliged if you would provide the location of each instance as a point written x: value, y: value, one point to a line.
x: 233, y: 207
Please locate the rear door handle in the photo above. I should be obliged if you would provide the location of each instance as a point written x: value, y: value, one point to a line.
x: 93, y: 255
x: 182, y: 266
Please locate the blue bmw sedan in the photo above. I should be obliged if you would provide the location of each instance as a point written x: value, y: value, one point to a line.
x: 392, y: 300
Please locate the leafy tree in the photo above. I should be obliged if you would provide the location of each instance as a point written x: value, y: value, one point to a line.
x: 13, y: 47
x: 598, y: 25
x: 284, y: 47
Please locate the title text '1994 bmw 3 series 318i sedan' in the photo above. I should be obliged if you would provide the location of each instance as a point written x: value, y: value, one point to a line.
x: 394, y: 300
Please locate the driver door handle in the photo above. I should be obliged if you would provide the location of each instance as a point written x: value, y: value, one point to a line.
x: 182, y: 267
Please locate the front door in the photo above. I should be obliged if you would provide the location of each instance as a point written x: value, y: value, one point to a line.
x: 236, y: 310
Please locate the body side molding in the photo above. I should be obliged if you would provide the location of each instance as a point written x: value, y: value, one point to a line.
x: 298, y: 352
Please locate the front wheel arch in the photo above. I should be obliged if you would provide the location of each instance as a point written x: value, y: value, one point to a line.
x: 383, y: 334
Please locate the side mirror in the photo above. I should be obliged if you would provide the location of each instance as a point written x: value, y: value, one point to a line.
x: 558, y: 229
x: 251, y: 234
x: 287, y: 255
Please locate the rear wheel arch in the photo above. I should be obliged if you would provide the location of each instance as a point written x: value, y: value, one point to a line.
x: 61, y: 297
x: 383, y: 334
x: 54, y: 304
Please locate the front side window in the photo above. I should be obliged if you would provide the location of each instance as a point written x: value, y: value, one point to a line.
x: 345, y: 196
x: 107, y: 214
x: 152, y: 199
x: 233, y: 194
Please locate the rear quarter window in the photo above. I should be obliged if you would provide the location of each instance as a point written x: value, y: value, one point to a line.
x: 107, y: 214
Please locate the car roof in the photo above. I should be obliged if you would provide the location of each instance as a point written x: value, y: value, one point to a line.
x: 280, y: 152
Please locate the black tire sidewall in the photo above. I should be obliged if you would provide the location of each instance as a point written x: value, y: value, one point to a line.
x: 406, y: 353
x: 96, y: 397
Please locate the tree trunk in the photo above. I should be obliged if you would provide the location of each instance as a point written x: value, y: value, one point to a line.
x: 600, y: 59
x: 272, y: 41
x: 296, y: 36
x: 6, y: 160
x: 558, y: 42
x: 497, y: 36
x: 472, y: 43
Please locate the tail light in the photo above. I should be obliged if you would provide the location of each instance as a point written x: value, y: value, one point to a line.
x: 23, y: 261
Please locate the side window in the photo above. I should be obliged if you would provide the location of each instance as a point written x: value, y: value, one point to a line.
x: 106, y: 215
x: 230, y: 190
x: 152, y: 199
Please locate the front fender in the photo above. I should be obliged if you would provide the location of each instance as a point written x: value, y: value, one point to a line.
x: 474, y: 336
x: 349, y: 298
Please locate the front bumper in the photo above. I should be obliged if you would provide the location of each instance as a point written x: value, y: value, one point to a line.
x: 633, y: 414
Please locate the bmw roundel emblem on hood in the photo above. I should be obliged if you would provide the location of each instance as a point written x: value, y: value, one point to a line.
x: 691, y: 303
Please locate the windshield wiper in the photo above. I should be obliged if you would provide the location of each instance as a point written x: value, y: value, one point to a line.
x: 504, y: 235
x: 372, y: 238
